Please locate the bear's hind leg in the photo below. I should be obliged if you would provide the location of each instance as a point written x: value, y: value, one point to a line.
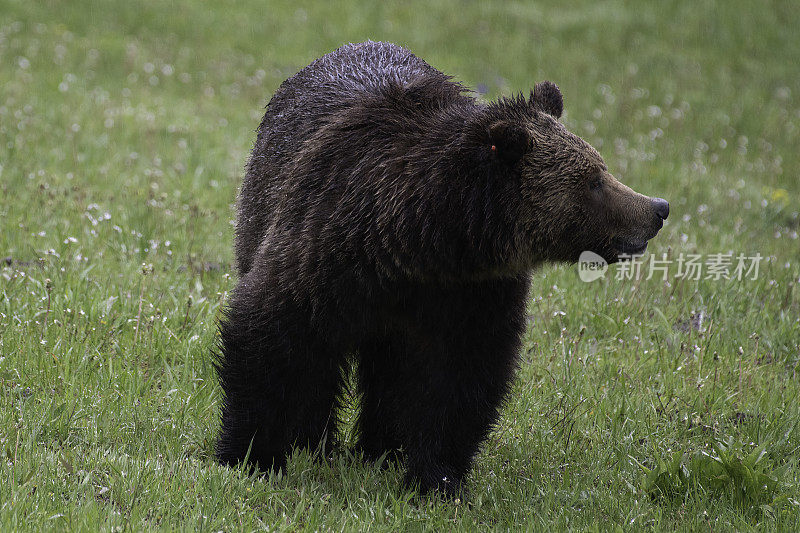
x: 279, y: 383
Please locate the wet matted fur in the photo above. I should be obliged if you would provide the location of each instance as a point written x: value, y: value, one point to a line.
x: 391, y: 220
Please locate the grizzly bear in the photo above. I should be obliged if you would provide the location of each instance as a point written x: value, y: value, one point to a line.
x: 388, y: 223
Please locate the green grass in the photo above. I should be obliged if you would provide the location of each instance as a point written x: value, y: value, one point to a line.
x: 124, y: 128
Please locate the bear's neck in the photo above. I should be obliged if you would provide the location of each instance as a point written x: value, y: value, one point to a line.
x: 452, y: 203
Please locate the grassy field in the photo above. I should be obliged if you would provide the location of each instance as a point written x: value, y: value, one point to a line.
x: 640, y: 404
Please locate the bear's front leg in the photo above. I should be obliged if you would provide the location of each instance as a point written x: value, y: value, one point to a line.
x: 380, y: 394
x: 279, y: 382
x: 454, y: 389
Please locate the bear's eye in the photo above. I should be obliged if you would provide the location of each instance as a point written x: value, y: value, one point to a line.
x: 596, y: 183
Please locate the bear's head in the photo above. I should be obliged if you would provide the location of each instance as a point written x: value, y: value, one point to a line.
x: 568, y: 201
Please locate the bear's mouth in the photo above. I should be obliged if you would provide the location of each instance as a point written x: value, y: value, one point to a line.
x: 629, y: 246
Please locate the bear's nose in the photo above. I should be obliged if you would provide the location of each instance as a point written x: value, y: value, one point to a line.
x: 662, y: 207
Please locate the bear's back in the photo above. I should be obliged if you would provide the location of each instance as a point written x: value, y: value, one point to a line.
x: 356, y: 68
x: 300, y: 106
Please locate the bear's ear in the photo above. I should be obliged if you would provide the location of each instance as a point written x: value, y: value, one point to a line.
x: 546, y: 97
x: 509, y: 140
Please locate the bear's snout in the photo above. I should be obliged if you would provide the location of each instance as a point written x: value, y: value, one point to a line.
x: 661, y: 212
x: 662, y: 208
x: 643, y: 218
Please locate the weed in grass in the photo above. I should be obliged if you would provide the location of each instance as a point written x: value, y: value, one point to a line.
x: 740, y: 472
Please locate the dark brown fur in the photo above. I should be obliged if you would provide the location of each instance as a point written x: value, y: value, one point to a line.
x: 389, y: 218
